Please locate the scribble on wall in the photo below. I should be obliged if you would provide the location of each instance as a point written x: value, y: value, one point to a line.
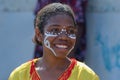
x: 110, y: 54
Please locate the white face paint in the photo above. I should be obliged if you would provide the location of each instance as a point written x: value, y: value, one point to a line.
x: 68, y: 33
x: 47, y: 43
x: 72, y: 36
x: 51, y: 34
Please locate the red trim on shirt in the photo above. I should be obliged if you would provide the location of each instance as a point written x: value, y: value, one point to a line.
x: 64, y: 76
x: 33, y: 74
x: 68, y: 71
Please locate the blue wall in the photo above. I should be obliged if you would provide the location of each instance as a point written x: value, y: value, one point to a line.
x: 103, y: 38
x: 16, y: 47
x: 16, y: 32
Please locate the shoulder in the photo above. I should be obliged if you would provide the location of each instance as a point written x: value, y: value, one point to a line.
x: 82, y: 66
x: 84, y: 72
x: 22, y: 70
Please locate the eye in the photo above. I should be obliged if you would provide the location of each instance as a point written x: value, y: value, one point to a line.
x: 71, y: 31
x: 55, y: 30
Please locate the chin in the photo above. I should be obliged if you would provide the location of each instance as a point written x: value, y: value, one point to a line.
x: 61, y: 55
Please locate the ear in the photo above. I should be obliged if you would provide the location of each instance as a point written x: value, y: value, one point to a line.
x: 38, y: 35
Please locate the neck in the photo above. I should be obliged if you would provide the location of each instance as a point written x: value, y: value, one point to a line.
x: 53, y: 63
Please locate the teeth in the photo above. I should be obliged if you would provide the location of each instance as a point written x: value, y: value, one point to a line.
x: 61, y: 46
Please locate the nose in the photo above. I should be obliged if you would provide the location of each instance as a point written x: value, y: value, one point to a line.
x: 63, y: 36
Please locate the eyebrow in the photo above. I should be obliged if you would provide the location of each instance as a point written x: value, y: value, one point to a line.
x: 54, y: 25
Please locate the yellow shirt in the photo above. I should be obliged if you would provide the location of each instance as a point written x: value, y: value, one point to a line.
x: 76, y: 71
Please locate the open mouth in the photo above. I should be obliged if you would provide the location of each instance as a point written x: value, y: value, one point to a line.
x: 61, y: 46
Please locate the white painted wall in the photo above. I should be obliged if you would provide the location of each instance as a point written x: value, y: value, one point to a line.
x: 16, y: 32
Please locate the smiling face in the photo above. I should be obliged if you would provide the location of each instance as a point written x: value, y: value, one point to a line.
x: 59, y: 35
